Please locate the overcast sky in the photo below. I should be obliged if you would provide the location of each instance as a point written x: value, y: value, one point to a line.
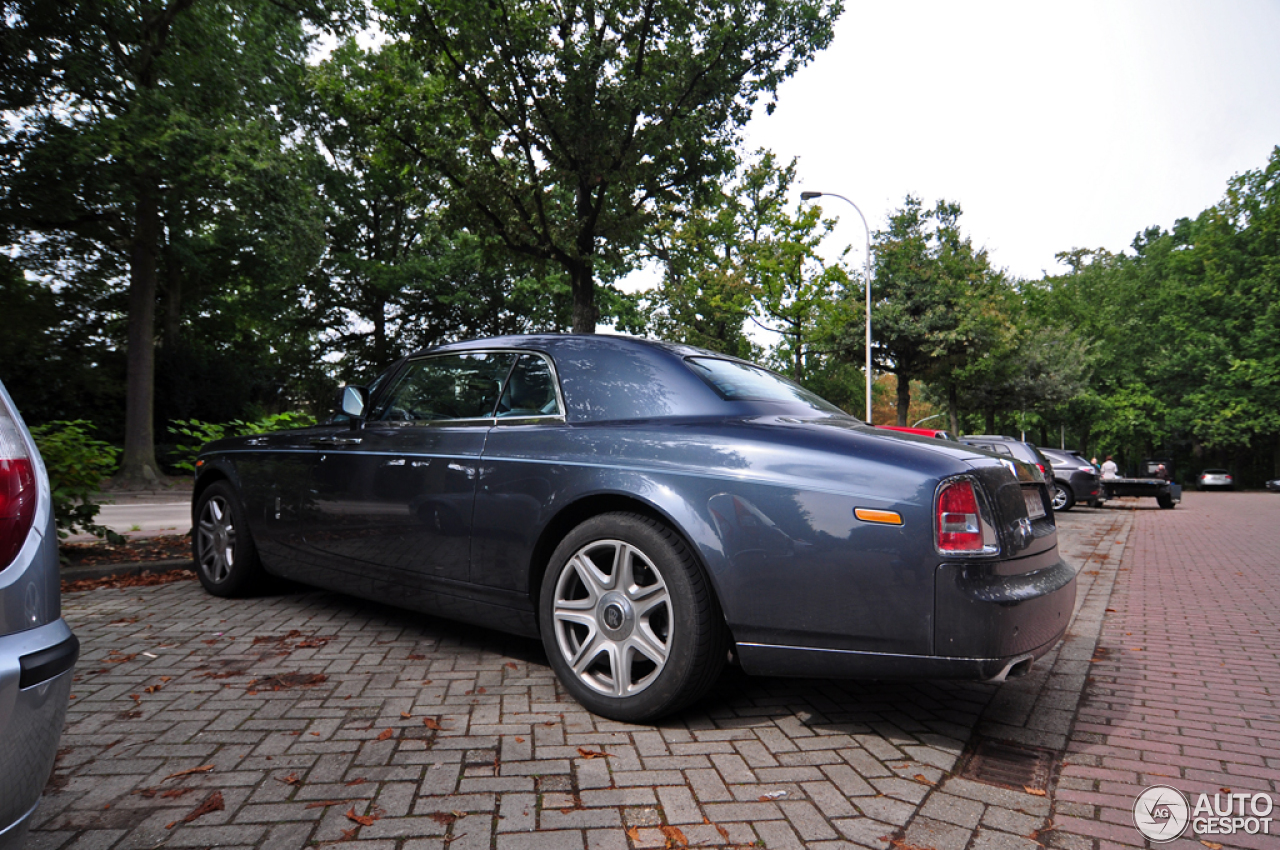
x: 1053, y: 125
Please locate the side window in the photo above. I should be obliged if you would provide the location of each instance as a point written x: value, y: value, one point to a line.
x: 531, y: 390
x: 448, y: 386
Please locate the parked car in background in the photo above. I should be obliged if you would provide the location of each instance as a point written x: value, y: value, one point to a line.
x: 1075, y: 479
x: 923, y: 432
x: 37, y: 648
x: 1274, y: 485
x: 1012, y: 446
x: 646, y: 508
x: 1215, y: 479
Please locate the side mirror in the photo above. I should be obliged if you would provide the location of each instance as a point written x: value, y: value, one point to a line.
x: 353, y: 402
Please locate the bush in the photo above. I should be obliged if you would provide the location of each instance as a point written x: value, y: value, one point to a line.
x: 195, y: 433
x: 76, y: 463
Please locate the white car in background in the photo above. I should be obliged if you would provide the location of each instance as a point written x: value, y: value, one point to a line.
x: 38, y: 652
x: 1215, y: 479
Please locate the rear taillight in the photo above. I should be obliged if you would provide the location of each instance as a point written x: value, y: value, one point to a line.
x: 959, y: 525
x: 17, y: 490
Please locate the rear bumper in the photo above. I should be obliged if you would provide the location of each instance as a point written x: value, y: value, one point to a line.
x: 36, y: 667
x: 987, y: 627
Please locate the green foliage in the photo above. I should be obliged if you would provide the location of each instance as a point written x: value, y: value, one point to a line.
x: 744, y: 260
x: 1182, y: 331
x: 561, y: 129
x: 195, y: 434
x: 939, y: 306
x: 151, y: 166
x: 77, y: 463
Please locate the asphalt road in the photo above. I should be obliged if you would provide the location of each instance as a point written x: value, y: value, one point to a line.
x: 160, y: 517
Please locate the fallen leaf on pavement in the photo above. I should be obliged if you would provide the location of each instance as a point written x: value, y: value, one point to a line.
x: 204, y: 768
x: 443, y: 818
x: 291, y: 779
x: 593, y: 754
x: 923, y: 780
x: 287, y: 680
x: 675, y: 838
x: 359, y: 780
x: 432, y: 723
x: 363, y: 820
x: 212, y: 803
x: 1212, y: 845
x: 171, y: 794
x: 1038, y: 792
x: 633, y: 834
x: 406, y: 715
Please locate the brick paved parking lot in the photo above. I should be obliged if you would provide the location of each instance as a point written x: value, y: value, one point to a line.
x: 304, y: 717
x: 1184, y: 690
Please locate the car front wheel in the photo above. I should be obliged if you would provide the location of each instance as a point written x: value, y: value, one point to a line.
x: 629, y: 620
x: 1063, y: 498
x: 226, y: 559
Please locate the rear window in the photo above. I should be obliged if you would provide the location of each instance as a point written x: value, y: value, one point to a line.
x: 736, y: 381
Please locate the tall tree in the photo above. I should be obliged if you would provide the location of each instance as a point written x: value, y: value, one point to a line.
x: 135, y: 119
x: 399, y: 272
x: 747, y: 260
x: 562, y: 128
x: 937, y: 300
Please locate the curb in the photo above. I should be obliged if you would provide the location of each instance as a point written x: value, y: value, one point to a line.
x: 122, y: 570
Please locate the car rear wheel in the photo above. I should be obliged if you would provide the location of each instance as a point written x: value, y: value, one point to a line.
x: 1063, y: 498
x: 226, y: 559
x: 629, y: 620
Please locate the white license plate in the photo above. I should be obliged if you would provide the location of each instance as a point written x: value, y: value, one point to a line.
x: 1035, y: 505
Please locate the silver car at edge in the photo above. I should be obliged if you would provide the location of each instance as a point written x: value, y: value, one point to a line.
x: 38, y: 651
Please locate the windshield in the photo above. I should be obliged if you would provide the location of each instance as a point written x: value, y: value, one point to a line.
x: 736, y: 381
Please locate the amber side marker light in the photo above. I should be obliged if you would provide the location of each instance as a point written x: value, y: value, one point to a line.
x: 885, y: 517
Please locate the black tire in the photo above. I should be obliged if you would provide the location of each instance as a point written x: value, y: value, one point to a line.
x: 226, y: 559
x: 1062, y: 497
x: 1166, y: 502
x: 661, y: 636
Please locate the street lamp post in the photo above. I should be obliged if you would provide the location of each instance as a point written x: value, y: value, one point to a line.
x: 809, y: 196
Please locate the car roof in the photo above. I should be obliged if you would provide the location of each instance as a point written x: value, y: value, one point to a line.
x: 612, y: 377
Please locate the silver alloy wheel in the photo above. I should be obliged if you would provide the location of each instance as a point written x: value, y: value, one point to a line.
x: 217, y: 538
x: 612, y: 618
x: 1060, y: 497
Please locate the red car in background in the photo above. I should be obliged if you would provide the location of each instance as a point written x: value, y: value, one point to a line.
x: 923, y: 432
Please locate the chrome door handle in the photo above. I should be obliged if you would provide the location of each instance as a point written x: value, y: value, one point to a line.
x: 335, y: 441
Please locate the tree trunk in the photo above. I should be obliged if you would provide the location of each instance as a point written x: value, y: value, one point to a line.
x: 173, y: 302
x: 584, y: 296
x: 138, y: 466
x: 904, y: 398
x: 953, y: 407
